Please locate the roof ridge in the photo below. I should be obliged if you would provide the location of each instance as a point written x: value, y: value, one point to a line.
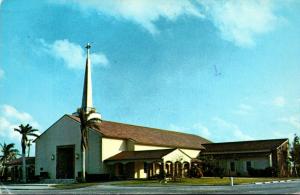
x: 158, y: 150
x: 153, y: 128
x: 282, y: 139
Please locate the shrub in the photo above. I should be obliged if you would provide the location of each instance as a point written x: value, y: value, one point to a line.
x: 267, y: 172
x: 196, y: 172
x: 218, y: 172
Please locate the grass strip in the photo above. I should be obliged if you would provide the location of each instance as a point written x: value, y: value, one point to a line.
x: 74, y: 185
x: 213, y: 181
x: 208, y: 181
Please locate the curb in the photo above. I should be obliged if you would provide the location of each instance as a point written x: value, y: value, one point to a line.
x: 269, y: 182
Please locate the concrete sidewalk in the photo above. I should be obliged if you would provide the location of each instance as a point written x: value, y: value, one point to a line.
x: 280, y: 181
x: 32, y: 186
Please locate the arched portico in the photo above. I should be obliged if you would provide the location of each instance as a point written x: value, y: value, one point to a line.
x: 186, y: 169
x: 169, y: 168
x: 178, y: 169
x: 150, y: 164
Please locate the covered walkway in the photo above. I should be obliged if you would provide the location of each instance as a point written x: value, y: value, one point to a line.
x: 150, y: 164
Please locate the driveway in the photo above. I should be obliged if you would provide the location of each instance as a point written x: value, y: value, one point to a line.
x: 272, y: 188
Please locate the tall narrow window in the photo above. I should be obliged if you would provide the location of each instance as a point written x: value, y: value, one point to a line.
x: 232, y: 166
x: 145, y: 167
x: 121, y: 169
x: 248, y: 165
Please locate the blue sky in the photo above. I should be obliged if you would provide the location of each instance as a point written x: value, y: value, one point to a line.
x: 224, y: 70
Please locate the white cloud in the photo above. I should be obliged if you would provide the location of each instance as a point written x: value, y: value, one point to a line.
x: 142, y: 12
x: 7, y: 130
x: 230, y: 131
x: 238, y: 21
x: 243, y: 109
x: 11, y: 118
x: 176, y: 128
x: 281, y: 134
x: 293, y: 127
x: 294, y: 121
x: 1, y: 73
x: 220, y: 130
x: 202, y: 130
x: 73, y: 54
x: 197, y: 129
x: 11, y: 112
x: 1, y: 1
x: 241, y: 21
x: 279, y: 101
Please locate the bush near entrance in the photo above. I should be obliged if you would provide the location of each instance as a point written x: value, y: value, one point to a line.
x: 267, y: 172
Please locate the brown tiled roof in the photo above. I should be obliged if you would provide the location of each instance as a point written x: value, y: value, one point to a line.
x: 234, y: 155
x: 18, y: 161
x: 140, y: 155
x: 147, y: 135
x: 244, y: 146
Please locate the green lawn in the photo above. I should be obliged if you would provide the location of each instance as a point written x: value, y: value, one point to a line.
x: 196, y: 181
x: 74, y: 185
x: 185, y: 181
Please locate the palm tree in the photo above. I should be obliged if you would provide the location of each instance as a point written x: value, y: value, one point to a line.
x: 29, y: 143
x: 25, y: 131
x: 8, y: 153
x: 85, y: 123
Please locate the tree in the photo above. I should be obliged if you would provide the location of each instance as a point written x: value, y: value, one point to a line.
x: 8, y: 153
x: 85, y: 123
x: 29, y: 143
x: 211, y: 166
x: 296, y: 139
x: 25, y: 132
x: 295, y: 156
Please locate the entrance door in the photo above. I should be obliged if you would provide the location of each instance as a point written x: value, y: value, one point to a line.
x: 65, y: 162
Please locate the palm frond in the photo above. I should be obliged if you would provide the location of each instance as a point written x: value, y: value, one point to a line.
x: 11, y: 145
x: 8, y: 152
x: 18, y: 130
x: 85, y: 123
x: 25, y: 131
x: 28, y: 126
x: 33, y: 134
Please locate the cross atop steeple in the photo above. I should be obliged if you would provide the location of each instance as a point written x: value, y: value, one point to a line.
x: 88, y: 47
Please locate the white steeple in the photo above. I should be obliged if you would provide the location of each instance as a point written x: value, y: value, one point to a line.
x: 87, y: 97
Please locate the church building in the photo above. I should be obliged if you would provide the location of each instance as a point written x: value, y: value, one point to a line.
x: 117, y: 150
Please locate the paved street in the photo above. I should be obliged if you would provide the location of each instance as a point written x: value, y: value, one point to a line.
x: 273, y: 188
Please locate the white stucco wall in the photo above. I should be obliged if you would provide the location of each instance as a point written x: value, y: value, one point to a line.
x: 177, y: 155
x: 261, y: 163
x: 139, y: 170
x: 256, y: 163
x: 94, y: 154
x: 111, y: 147
x: 65, y: 131
x: 241, y: 164
x: 139, y: 147
x: 191, y: 153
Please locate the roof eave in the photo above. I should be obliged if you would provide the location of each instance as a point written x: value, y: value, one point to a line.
x: 238, y: 152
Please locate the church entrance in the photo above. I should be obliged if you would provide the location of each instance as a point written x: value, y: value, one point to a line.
x: 65, y: 162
